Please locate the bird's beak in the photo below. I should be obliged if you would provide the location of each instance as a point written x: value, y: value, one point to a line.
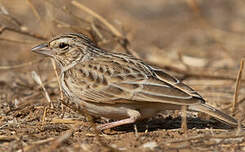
x: 43, y: 49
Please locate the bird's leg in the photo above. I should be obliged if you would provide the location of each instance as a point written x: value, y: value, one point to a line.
x: 133, y: 117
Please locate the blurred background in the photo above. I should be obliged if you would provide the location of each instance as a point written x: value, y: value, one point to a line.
x: 199, y: 41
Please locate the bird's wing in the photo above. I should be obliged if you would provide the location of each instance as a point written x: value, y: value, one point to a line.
x: 161, y: 87
x: 125, y: 80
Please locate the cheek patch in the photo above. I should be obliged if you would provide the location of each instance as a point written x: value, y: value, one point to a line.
x: 73, y: 53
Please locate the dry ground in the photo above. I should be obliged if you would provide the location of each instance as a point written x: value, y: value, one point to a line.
x: 200, y: 42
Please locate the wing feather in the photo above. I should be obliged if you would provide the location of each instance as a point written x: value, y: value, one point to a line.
x: 124, y: 80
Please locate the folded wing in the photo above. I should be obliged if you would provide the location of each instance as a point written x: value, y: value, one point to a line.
x: 131, y: 81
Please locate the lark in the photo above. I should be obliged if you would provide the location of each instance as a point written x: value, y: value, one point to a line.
x: 118, y: 86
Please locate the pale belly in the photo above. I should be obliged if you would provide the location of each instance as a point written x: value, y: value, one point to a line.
x: 120, y: 110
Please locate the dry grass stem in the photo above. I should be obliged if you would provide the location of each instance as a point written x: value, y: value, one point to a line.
x: 16, y: 41
x: 237, y: 88
x: 44, y: 114
x: 122, y: 40
x: 37, y: 79
x: 43, y: 141
x: 7, y: 138
x: 36, y: 143
x: 11, y: 67
x: 58, y: 141
x: 23, y: 32
x: 81, y: 20
x: 136, y: 131
x: 98, y: 33
x: 58, y: 79
x: 204, y: 73
x: 184, y: 119
x: 97, y: 16
x: 61, y: 24
x: 5, y: 13
x: 229, y: 136
x: 33, y: 9
x: 59, y: 83
x: 64, y: 121
x: 180, y: 57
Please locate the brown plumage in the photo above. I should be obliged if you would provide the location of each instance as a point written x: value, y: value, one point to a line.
x: 118, y: 86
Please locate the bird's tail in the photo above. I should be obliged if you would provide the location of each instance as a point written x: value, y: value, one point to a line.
x: 214, y: 113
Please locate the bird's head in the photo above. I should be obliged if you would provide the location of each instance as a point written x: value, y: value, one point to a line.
x: 66, y: 48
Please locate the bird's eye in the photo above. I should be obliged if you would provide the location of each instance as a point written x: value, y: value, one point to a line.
x: 63, y: 45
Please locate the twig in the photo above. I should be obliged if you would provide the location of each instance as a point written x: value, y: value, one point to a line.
x: 37, y: 79
x: 241, y: 101
x: 122, y: 40
x: 95, y: 29
x: 97, y: 16
x: 203, y: 137
x: 59, y: 83
x: 34, y: 144
x: 125, y: 44
x: 16, y: 41
x: 81, y: 20
x: 61, y: 24
x: 43, y: 141
x: 196, y: 73
x: 64, y: 121
x: 11, y: 67
x: 34, y: 10
x: 58, y: 79
x: 237, y: 88
x: 180, y: 57
x: 61, y: 139
x: 183, y: 120
x: 239, y: 127
x: 21, y: 31
x: 7, y: 138
x: 44, y: 114
x: 136, y: 131
x: 6, y: 14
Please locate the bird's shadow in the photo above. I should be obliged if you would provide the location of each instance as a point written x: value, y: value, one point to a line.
x: 171, y: 123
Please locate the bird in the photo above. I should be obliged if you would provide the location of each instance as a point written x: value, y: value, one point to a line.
x: 118, y: 86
